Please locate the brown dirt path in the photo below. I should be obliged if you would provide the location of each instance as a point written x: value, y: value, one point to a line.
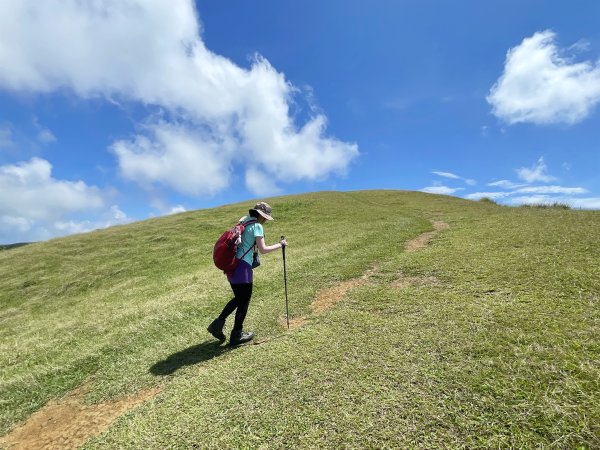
x: 67, y: 423
x: 328, y: 297
x: 423, y: 239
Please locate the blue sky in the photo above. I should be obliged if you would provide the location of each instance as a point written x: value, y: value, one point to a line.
x: 116, y: 111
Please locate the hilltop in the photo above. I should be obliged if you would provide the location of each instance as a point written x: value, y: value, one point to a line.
x: 485, y: 335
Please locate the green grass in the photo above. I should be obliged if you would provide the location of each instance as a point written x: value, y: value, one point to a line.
x: 502, y: 351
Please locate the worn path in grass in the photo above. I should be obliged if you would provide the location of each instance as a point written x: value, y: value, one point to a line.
x: 328, y: 297
x: 69, y: 422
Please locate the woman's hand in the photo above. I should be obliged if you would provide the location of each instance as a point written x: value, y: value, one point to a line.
x: 263, y: 248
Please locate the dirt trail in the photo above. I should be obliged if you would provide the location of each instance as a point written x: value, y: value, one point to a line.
x: 328, y: 297
x: 423, y: 239
x: 67, y: 423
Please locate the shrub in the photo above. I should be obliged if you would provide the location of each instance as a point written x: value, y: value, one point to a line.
x: 487, y: 200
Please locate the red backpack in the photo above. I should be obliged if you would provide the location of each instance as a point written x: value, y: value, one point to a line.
x: 227, y: 245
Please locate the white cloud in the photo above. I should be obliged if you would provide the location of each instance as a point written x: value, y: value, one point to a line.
x: 6, y: 137
x: 28, y: 190
x: 536, y: 173
x: 113, y: 216
x: 540, y: 191
x: 542, y: 195
x: 531, y: 200
x: 506, y: 184
x: 260, y: 183
x: 35, y: 206
x: 18, y: 224
x: 176, y: 156
x: 551, y: 190
x: 151, y: 52
x: 453, y: 176
x: 573, y: 202
x: 492, y: 195
x: 585, y: 203
x: 44, y: 135
x: 540, y: 85
x: 177, y: 209
x: 447, y: 175
x: 525, y: 193
x: 117, y: 216
x: 439, y: 189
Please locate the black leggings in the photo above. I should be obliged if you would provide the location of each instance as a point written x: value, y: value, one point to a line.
x: 242, y: 294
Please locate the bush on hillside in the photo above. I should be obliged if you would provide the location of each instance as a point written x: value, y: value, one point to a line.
x: 487, y: 200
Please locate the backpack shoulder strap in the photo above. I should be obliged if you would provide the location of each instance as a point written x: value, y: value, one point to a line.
x: 250, y: 222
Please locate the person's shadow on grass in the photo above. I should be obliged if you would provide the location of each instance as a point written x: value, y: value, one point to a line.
x: 188, y: 357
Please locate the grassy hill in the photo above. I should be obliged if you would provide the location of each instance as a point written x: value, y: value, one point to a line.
x: 488, y: 337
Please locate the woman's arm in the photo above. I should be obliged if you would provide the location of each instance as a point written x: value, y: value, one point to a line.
x: 262, y: 248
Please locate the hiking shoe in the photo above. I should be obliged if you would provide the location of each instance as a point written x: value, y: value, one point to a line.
x: 216, y: 329
x: 240, y: 337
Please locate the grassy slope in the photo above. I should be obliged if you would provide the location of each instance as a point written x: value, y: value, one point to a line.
x: 503, y: 351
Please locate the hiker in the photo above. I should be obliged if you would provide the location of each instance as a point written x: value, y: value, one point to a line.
x: 242, y: 278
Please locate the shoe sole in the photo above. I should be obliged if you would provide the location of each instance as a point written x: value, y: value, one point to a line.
x: 237, y: 344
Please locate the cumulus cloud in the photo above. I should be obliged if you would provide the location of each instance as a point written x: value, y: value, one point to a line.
x: 260, y: 183
x: 34, y: 205
x: 176, y: 156
x: 218, y: 115
x: 535, y: 173
x: 542, y: 85
x: 112, y: 216
x: 28, y: 190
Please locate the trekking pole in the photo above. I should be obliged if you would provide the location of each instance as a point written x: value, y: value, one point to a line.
x: 287, y: 313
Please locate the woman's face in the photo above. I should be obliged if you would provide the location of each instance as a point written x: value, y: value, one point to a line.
x: 261, y: 219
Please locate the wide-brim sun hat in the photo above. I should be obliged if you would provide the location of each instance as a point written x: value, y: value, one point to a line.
x: 264, y: 210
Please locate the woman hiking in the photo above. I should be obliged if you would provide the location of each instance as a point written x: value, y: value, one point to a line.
x: 242, y: 278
